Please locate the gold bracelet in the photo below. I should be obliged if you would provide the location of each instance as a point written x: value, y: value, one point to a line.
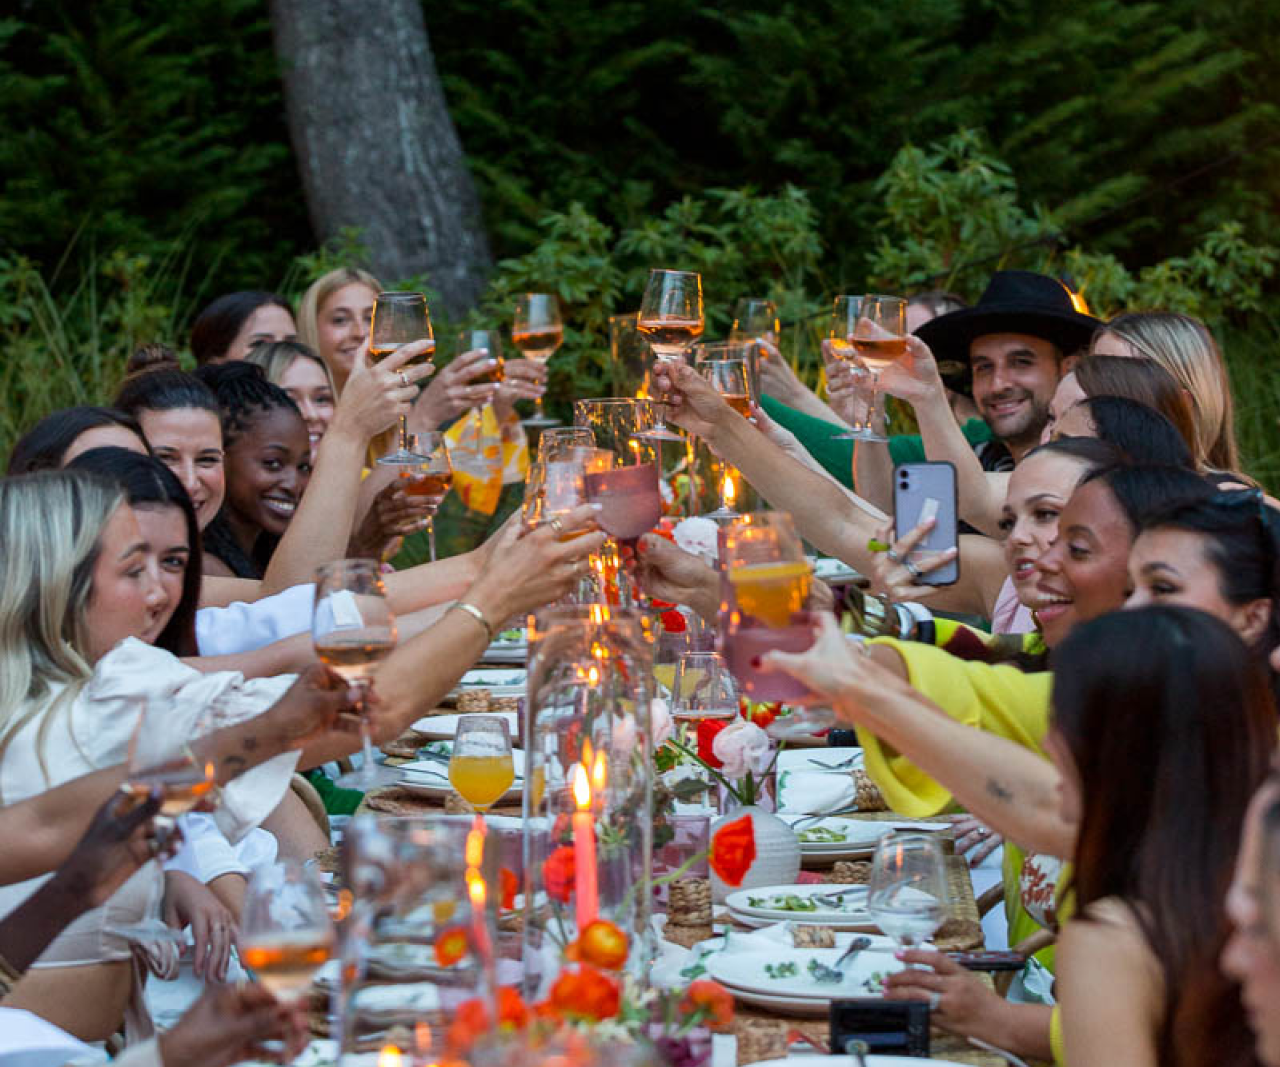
x: 478, y: 615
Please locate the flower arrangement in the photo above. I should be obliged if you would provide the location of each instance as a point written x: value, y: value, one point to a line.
x: 737, y: 753
x: 593, y: 996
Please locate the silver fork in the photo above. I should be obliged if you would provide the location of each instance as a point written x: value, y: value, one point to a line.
x: 833, y: 973
x: 833, y: 899
x: 823, y: 815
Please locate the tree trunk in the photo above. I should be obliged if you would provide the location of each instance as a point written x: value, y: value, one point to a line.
x: 376, y: 147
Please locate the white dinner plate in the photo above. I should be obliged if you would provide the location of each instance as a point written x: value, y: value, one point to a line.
x: 769, y: 904
x: 763, y: 976
x: 443, y: 727
x: 430, y: 778
x: 837, y: 837
x: 500, y: 681
x: 847, y: 1061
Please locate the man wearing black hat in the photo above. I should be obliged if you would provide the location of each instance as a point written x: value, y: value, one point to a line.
x: 1015, y: 339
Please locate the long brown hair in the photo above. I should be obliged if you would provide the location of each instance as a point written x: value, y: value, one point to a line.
x: 1170, y: 723
x: 1145, y: 381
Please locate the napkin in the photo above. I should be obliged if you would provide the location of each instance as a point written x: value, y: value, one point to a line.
x: 806, y: 788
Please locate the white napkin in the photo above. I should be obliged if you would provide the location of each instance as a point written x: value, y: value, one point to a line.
x: 806, y: 788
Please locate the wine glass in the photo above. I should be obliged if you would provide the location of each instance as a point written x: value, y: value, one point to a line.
x: 353, y: 629
x: 671, y: 318
x: 703, y: 688
x: 767, y: 584
x: 754, y: 319
x: 182, y: 779
x: 844, y: 320
x: 630, y: 501
x: 400, y: 319
x: 617, y: 422
x: 729, y: 378
x: 560, y: 441
x: 880, y: 339
x: 480, y: 765
x: 907, y: 892
x: 431, y: 475
x: 537, y: 330
x: 286, y: 934
x: 489, y: 341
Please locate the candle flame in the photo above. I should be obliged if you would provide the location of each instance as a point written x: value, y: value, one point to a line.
x: 477, y: 892
x: 475, y: 848
x: 390, y: 1056
x: 599, y: 771
x: 581, y: 788
x: 593, y: 675
x: 730, y: 493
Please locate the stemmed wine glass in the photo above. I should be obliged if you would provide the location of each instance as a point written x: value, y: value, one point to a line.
x: 845, y: 311
x: 672, y: 318
x: 630, y: 503
x: 182, y: 779
x: 703, y: 688
x: 629, y: 356
x: 400, y: 319
x: 907, y: 892
x: 729, y: 378
x: 481, y: 767
x: 353, y: 629
x: 880, y: 339
x: 537, y: 330
x: 286, y: 934
x: 430, y: 474
x: 617, y: 423
x: 754, y: 319
x: 562, y: 440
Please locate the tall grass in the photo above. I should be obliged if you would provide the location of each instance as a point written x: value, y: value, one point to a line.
x: 1255, y: 384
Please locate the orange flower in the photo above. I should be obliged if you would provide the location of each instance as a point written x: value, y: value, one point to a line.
x: 733, y: 850
x: 711, y: 998
x: 603, y: 945
x: 558, y: 873
x: 470, y: 1021
x: 451, y: 946
x: 510, y: 884
x: 512, y: 1011
x: 586, y: 993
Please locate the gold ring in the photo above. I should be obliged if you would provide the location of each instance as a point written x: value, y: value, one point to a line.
x: 556, y: 524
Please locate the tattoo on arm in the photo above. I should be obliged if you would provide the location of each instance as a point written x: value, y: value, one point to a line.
x: 998, y: 791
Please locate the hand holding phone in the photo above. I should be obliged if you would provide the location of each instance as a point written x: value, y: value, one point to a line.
x: 924, y: 492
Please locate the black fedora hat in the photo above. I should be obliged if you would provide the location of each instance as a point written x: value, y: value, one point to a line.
x: 1015, y: 301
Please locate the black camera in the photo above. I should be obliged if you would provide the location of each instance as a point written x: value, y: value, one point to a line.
x: 883, y: 1026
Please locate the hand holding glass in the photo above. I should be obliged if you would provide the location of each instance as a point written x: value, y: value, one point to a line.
x: 399, y: 319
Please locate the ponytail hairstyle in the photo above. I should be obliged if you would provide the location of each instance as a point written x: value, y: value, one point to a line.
x: 147, y: 482
x: 243, y: 394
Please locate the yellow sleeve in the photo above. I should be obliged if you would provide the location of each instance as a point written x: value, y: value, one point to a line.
x: 1001, y: 700
x: 1055, y: 1037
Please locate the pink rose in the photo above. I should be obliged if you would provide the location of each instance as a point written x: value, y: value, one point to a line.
x: 742, y: 747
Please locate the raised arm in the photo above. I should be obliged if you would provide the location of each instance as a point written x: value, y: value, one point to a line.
x: 915, y: 379
x: 1004, y: 783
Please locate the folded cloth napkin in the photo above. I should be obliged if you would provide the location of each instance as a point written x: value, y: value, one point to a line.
x: 804, y: 787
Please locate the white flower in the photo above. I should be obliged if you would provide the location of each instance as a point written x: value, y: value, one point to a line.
x: 660, y: 722
x: 697, y: 536
x: 742, y: 747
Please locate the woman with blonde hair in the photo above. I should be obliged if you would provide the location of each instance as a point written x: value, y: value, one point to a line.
x: 300, y: 372
x: 1186, y: 349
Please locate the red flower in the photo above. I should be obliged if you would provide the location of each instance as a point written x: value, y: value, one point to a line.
x: 585, y: 993
x: 673, y: 621
x: 603, y: 944
x: 707, y: 730
x: 558, y: 873
x: 451, y: 946
x: 510, y: 884
x: 711, y: 998
x: 733, y: 850
x: 470, y: 1021
x: 512, y: 1011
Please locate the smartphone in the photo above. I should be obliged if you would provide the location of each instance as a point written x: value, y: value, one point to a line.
x: 990, y: 960
x: 928, y: 491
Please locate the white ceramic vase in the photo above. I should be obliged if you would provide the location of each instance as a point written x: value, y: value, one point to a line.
x: 777, y: 859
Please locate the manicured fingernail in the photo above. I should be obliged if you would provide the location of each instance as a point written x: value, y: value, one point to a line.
x: 899, y: 954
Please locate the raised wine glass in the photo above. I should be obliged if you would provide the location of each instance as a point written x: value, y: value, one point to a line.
x: 489, y: 341
x: 183, y: 781
x: 560, y: 441
x: 767, y: 585
x: 754, y: 319
x: 537, y: 330
x: 400, y: 319
x: 629, y: 356
x: 431, y: 475
x: 286, y: 934
x: 630, y: 502
x: 481, y: 768
x: 729, y: 378
x: 880, y: 339
x: 671, y: 318
x: 844, y: 320
x: 907, y: 892
x: 617, y: 422
x: 353, y: 630
x: 703, y: 688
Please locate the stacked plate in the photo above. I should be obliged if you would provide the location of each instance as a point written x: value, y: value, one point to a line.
x: 825, y: 840
x: 500, y: 681
x: 840, y: 907
x: 510, y: 646
x: 444, y: 727
x: 801, y: 981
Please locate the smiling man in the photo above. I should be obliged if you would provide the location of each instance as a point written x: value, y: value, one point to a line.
x: 1015, y: 339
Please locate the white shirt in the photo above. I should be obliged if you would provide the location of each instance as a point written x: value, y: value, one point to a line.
x: 244, y: 627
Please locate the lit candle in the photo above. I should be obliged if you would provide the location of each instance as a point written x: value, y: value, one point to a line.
x: 584, y: 850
